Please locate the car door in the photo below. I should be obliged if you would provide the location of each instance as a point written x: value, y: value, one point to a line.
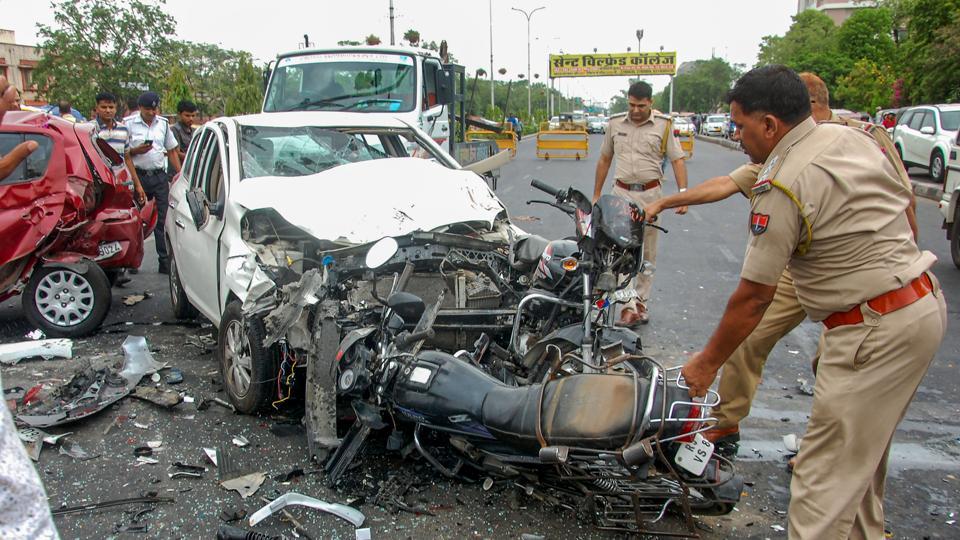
x: 911, y: 133
x: 200, y: 226
x: 926, y: 141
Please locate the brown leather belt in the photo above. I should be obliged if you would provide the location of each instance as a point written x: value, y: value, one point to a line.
x: 885, y: 303
x: 639, y: 187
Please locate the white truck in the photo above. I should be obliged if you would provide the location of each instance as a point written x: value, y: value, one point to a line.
x: 950, y: 200
x: 401, y: 82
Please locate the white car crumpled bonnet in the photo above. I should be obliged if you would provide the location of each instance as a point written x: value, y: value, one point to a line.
x: 363, y: 202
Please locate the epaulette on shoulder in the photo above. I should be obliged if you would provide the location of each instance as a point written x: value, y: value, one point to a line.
x: 618, y: 115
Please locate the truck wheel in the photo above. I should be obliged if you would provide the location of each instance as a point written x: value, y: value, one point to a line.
x: 249, y: 369
x: 182, y: 308
x: 64, y: 302
x: 937, y: 168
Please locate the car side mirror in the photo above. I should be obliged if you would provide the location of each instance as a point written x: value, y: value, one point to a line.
x: 445, y: 87
x: 195, y: 200
x: 927, y: 130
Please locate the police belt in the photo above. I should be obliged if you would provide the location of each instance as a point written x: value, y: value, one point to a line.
x: 885, y: 303
x: 638, y: 187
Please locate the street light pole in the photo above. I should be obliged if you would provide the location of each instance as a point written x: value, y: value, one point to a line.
x: 528, y: 16
x: 491, y: 54
x: 392, y: 41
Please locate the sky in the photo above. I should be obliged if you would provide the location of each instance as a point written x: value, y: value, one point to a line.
x: 696, y: 29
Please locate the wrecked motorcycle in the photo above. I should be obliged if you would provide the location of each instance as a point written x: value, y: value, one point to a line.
x: 619, y: 444
x: 606, y: 431
x: 69, y: 224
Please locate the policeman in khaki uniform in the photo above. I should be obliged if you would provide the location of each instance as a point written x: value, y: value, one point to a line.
x: 640, y: 139
x: 741, y: 373
x: 827, y: 203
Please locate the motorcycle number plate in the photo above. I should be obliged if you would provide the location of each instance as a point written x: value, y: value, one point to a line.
x: 107, y: 250
x: 694, y: 456
x: 624, y: 295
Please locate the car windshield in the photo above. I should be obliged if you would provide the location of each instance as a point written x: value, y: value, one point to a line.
x: 302, y: 151
x: 950, y: 120
x: 362, y: 82
x: 716, y: 119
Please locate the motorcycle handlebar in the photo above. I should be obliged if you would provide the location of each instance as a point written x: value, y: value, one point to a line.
x: 403, y: 340
x: 545, y: 187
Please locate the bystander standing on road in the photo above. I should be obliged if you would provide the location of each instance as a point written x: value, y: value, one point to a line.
x: 117, y: 135
x: 857, y: 270
x: 153, y: 146
x: 24, y: 511
x: 183, y: 129
x: 742, y: 372
x: 640, y: 140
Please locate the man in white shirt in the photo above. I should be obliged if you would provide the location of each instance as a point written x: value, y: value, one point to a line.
x: 152, y: 145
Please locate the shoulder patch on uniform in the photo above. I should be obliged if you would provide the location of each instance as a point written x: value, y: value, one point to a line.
x: 758, y: 223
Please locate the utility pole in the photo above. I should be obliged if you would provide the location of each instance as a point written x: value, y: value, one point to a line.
x: 392, y: 39
x: 529, y: 80
x: 639, y: 40
x: 491, y: 54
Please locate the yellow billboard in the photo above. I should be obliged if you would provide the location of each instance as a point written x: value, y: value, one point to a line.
x: 613, y: 64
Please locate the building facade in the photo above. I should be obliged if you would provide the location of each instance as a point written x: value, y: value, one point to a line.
x: 838, y: 10
x: 17, y: 63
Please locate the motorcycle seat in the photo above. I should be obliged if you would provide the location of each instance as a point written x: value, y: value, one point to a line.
x: 587, y: 410
x: 527, y: 251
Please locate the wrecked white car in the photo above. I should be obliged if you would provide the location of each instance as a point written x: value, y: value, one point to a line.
x: 264, y: 198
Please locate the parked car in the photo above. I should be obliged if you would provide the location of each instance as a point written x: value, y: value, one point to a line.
x: 554, y: 122
x: 715, y: 125
x: 594, y: 124
x: 923, y: 137
x: 68, y: 224
x: 277, y: 188
x: 683, y: 127
x: 950, y: 201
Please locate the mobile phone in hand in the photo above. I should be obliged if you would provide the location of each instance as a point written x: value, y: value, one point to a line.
x: 148, y: 141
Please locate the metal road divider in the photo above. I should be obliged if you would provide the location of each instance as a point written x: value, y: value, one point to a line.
x: 686, y: 142
x: 567, y: 141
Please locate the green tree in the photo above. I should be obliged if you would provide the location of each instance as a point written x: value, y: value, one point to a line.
x: 868, y: 33
x: 246, y: 92
x: 175, y: 89
x: 97, y: 45
x: 866, y: 87
x: 702, y: 88
x: 929, y: 54
x: 372, y: 40
x: 810, y: 44
x: 412, y: 37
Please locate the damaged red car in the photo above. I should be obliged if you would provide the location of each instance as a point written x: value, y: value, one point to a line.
x: 68, y: 223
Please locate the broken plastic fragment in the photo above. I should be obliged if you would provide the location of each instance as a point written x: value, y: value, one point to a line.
x: 143, y: 460
x: 138, y: 361
x: 73, y: 449
x: 211, y: 455
x: 174, y: 376
x: 241, y: 441
x: 363, y: 534
x: 342, y: 511
x: 11, y: 353
x: 245, y: 485
x: 154, y: 444
x: 791, y: 442
x: 134, y: 299
x: 141, y: 426
x: 36, y: 333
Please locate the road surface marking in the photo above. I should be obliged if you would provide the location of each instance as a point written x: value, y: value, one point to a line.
x: 727, y: 255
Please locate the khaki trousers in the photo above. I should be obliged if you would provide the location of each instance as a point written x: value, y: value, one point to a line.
x: 740, y: 375
x: 867, y: 376
x: 643, y: 283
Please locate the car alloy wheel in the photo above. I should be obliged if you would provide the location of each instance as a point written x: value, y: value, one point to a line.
x: 238, y: 362
x: 64, y: 298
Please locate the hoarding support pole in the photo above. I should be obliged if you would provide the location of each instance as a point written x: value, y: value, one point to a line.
x: 670, y: 110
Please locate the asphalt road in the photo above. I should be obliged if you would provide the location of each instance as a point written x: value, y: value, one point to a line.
x: 698, y: 267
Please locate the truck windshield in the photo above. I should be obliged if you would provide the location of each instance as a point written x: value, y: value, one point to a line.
x: 361, y: 82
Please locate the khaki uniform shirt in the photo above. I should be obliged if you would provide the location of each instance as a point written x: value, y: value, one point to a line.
x: 745, y: 176
x: 637, y: 147
x: 861, y: 246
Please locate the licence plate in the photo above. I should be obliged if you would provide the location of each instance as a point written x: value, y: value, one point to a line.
x: 694, y: 456
x: 624, y: 295
x: 108, y: 249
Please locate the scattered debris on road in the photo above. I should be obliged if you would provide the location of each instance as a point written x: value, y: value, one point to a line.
x: 342, y: 511
x: 12, y: 353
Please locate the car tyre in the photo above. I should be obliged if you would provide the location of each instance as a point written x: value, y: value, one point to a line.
x: 938, y: 169
x: 182, y: 308
x: 247, y: 367
x: 67, y: 302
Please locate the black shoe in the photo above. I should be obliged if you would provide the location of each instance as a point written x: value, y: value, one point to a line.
x: 164, y: 268
x: 121, y: 280
x: 134, y: 270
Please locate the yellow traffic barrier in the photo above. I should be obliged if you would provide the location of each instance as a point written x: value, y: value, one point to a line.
x: 506, y: 139
x: 568, y: 140
x: 686, y: 143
